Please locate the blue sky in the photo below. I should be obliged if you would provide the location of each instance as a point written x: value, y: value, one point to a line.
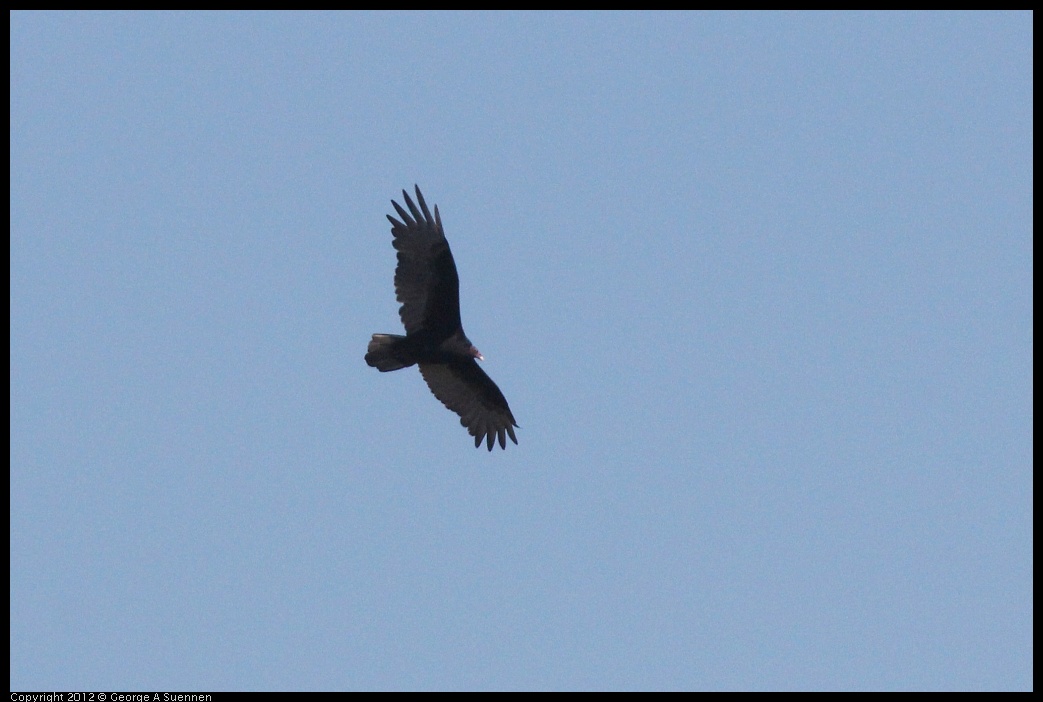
x: 758, y: 288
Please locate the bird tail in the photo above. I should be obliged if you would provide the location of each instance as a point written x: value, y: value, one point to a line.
x: 388, y: 352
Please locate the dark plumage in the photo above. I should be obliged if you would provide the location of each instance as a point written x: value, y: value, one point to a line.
x: 428, y: 287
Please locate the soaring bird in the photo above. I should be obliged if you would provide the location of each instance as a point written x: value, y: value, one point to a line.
x: 428, y: 287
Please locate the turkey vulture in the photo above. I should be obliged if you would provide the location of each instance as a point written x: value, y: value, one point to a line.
x: 427, y: 286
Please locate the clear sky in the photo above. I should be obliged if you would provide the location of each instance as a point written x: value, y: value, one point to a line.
x: 758, y: 288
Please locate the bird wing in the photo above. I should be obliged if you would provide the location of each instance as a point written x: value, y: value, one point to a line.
x: 426, y: 282
x: 464, y: 388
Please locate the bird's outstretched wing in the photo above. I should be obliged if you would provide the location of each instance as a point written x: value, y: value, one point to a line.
x: 465, y: 388
x: 426, y: 282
